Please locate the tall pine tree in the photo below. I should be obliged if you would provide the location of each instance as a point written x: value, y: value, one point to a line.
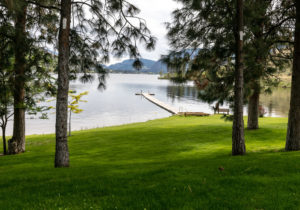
x: 17, y: 143
x: 33, y: 28
x: 238, y: 138
x: 6, y: 73
x: 61, y: 126
x: 109, y: 26
x: 293, y: 131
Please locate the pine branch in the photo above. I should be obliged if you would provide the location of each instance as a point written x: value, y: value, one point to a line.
x: 43, y: 6
x: 277, y: 25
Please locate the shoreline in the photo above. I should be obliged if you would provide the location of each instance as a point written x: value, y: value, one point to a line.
x: 141, y: 122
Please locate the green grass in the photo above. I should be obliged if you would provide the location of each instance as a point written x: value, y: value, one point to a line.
x: 170, y: 163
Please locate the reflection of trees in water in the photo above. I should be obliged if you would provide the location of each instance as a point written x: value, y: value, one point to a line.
x: 181, y: 92
x: 278, y: 102
x: 270, y: 108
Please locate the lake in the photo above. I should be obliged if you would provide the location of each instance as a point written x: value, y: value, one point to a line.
x: 119, y: 105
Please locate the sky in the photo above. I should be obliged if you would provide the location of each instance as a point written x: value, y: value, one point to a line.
x: 156, y: 13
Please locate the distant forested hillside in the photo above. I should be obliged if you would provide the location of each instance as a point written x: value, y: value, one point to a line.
x: 149, y: 66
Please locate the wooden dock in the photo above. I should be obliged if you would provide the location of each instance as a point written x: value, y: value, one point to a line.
x: 166, y: 107
x: 186, y: 114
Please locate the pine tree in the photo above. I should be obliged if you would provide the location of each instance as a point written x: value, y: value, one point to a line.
x: 238, y: 138
x: 108, y: 28
x: 293, y: 131
x: 6, y: 73
x: 203, y: 43
x: 268, y: 51
x: 28, y: 57
x: 17, y: 143
x: 61, y: 150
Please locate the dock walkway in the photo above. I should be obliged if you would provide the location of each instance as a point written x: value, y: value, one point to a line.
x: 166, y: 107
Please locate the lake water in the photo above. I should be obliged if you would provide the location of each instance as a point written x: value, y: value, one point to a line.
x: 277, y: 104
x: 119, y: 105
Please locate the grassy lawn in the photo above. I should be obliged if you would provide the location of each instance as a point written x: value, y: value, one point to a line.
x: 170, y: 163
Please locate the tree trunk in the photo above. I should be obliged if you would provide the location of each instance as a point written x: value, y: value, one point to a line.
x: 61, y: 150
x: 238, y: 139
x: 253, y: 108
x: 4, y: 139
x: 17, y: 143
x: 293, y: 131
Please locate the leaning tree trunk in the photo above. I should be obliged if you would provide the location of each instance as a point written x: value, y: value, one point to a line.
x: 238, y: 139
x: 253, y: 107
x: 61, y: 150
x: 293, y: 131
x: 17, y: 143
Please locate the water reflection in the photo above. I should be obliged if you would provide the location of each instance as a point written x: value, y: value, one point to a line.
x: 277, y: 104
x: 182, y: 92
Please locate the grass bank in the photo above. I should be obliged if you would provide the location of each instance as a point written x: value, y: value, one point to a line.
x: 170, y: 163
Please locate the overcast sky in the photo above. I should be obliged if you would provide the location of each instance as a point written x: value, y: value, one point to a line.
x: 156, y: 13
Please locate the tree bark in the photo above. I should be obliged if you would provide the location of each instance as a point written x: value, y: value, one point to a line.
x: 238, y: 139
x: 61, y: 150
x: 4, y: 139
x: 253, y: 107
x: 17, y: 143
x: 293, y: 131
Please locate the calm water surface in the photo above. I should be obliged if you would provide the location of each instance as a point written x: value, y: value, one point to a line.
x: 119, y: 105
x: 277, y: 104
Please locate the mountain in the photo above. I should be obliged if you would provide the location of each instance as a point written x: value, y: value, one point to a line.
x: 149, y: 66
x: 126, y: 65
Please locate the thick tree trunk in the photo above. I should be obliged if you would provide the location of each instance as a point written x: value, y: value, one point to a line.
x: 293, y: 131
x: 61, y: 151
x: 238, y: 139
x: 253, y: 108
x: 17, y: 143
